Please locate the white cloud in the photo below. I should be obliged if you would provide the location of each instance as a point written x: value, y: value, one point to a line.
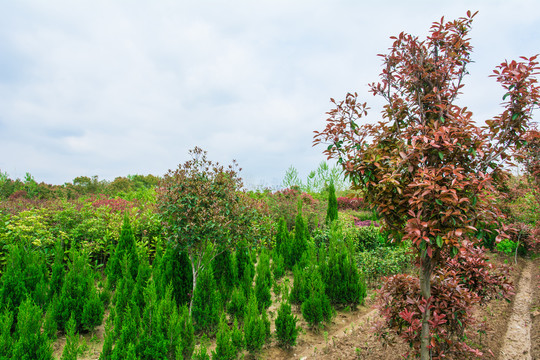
x: 111, y: 87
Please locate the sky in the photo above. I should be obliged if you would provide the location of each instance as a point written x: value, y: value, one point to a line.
x: 111, y: 87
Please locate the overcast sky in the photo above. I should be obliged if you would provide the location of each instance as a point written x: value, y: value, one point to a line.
x: 112, y: 88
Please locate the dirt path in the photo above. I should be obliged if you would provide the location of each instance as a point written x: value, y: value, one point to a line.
x: 517, y: 343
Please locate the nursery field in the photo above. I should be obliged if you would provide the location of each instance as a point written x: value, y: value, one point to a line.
x: 421, y: 242
x: 99, y: 277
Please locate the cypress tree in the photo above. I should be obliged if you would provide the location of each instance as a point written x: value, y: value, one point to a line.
x: 316, y: 307
x: 286, y: 329
x: 6, y: 340
x: 206, y: 303
x: 263, y: 282
x: 77, y: 289
x: 299, y: 243
x: 237, y: 305
x: 72, y: 340
x: 332, y: 211
x: 30, y: 342
x: 237, y: 336
x: 254, y: 327
x: 174, y: 267
x: 225, y: 348
x: 244, y: 266
x: 125, y: 247
x: 222, y: 266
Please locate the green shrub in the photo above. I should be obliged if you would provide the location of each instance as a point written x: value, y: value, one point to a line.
x: 507, y: 246
x: 263, y: 281
x: 125, y: 247
x: 30, y: 342
x: 332, y: 211
x: 92, y: 314
x: 254, y: 327
x: 225, y: 348
x: 278, y: 265
x: 286, y: 329
x: 237, y: 336
x: 316, y: 307
x: 384, y: 261
x: 25, y: 275
x: 368, y: 238
x: 201, y: 353
x: 77, y: 289
x: 174, y: 267
x: 343, y: 284
x: 206, y: 303
x: 245, y: 270
x: 50, y: 328
x: 186, y: 344
x: 237, y: 305
x: 6, y: 340
x: 222, y: 266
x: 299, y: 291
x: 72, y: 340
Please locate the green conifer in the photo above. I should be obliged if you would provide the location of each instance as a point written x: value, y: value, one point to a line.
x: 254, y: 327
x: 72, y: 340
x: 206, y: 303
x: 30, y: 342
x: 332, y: 211
x: 286, y: 329
x: 263, y: 281
x: 125, y: 247
x: 225, y: 349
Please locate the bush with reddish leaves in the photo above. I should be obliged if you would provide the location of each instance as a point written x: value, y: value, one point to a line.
x: 346, y: 203
x: 468, y: 280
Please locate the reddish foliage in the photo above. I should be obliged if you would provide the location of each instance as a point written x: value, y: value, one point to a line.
x: 115, y: 204
x: 346, y: 203
x: 365, y: 223
x: 468, y: 280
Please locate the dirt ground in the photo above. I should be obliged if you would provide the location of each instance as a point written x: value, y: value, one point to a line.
x: 513, y: 329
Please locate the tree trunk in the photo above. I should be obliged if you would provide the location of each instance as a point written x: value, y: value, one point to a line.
x: 195, y: 273
x: 425, y: 287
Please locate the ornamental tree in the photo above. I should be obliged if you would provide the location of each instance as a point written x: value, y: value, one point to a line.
x: 203, y: 209
x: 426, y: 166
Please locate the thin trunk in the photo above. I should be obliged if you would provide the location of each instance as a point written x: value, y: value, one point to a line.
x: 425, y: 287
x: 194, y: 270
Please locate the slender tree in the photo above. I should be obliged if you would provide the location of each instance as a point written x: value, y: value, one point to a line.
x: 426, y: 166
x: 203, y: 209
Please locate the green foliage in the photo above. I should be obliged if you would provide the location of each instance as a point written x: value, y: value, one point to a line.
x: 152, y: 342
x: 58, y: 271
x: 225, y: 348
x: 174, y: 267
x: 6, y: 340
x: 385, y: 261
x: 278, y: 265
x: 237, y: 336
x: 72, y: 340
x: 201, y: 353
x: 286, y: 329
x: 223, y: 269
x: 187, y: 334
x: 237, y: 305
x: 127, y: 335
x: 92, y: 315
x: 263, y: 281
x: 206, y: 303
x: 332, y: 211
x: 300, y: 290
x: 30, y: 343
x: 25, y: 275
x: 344, y: 286
x: 254, y: 327
x: 507, y: 246
x: 368, y: 238
x: 124, y: 248
x: 77, y: 289
x: 203, y: 209
x: 282, y: 237
x: 316, y: 307
x: 50, y: 328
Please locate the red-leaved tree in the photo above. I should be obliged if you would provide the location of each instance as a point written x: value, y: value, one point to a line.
x: 204, y: 209
x: 426, y: 166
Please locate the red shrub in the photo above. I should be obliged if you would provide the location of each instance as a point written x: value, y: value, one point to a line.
x: 345, y: 203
